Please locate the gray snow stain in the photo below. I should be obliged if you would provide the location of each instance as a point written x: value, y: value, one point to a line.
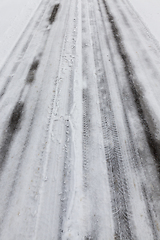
x: 54, y: 13
x: 89, y: 238
x: 13, y: 126
x: 32, y: 71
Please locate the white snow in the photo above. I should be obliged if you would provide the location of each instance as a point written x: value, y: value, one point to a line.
x: 15, y: 14
x: 149, y: 12
x: 38, y: 155
x: 14, y: 17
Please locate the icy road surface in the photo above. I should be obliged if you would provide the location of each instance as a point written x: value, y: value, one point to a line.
x: 80, y: 126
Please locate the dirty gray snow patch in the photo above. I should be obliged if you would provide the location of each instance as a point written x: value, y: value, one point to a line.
x: 13, y: 126
x: 54, y: 13
x: 32, y: 71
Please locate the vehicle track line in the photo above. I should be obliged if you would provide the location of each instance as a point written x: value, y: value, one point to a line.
x: 14, y: 182
x: 129, y: 74
x: 116, y: 171
x: 152, y: 142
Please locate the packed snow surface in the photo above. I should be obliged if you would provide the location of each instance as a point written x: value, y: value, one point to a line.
x: 79, y: 120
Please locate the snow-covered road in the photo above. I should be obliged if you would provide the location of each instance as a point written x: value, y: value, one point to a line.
x: 80, y: 126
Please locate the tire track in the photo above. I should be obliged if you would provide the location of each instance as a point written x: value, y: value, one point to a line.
x: 13, y: 126
x: 152, y: 142
x: 85, y: 99
x: 86, y: 135
x: 94, y: 158
x: 92, y: 226
x: 150, y: 212
x: 137, y: 163
x: 118, y: 182
x: 65, y: 179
